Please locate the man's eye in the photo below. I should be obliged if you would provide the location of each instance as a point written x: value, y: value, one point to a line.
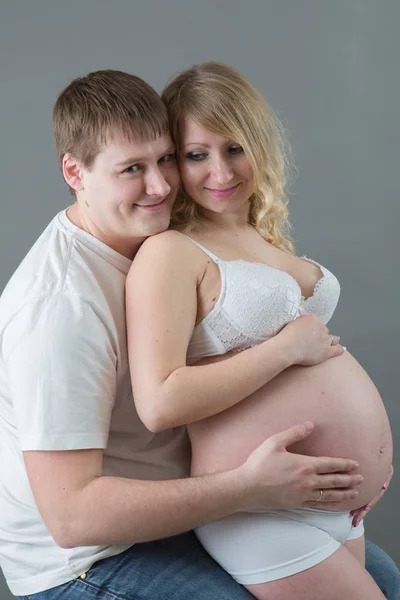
x: 196, y: 156
x: 132, y: 169
x: 167, y: 158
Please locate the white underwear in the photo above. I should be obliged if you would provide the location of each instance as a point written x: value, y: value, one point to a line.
x: 261, y: 546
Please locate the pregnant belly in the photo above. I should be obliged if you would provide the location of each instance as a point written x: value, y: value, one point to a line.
x: 337, y: 395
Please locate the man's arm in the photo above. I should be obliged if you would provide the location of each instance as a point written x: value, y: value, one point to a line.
x: 82, y: 508
x: 62, y: 361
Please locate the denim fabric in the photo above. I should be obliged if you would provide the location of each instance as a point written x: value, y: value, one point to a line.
x: 383, y: 569
x: 179, y: 569
x: 176, y: 568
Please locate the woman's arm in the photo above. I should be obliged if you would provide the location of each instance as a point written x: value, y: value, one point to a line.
x: 161, y: 294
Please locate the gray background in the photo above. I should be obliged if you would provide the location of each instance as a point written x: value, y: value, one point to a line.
x: 330, y: 69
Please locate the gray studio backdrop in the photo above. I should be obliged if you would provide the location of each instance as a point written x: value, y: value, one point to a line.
x: 330, y: 69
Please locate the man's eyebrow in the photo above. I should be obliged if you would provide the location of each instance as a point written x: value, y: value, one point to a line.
x: 138, y: 159
x: 129, y: 161
x: 197, y: 144
x: 170, y: 150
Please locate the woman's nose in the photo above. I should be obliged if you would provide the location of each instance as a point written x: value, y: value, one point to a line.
x: 221, y: 171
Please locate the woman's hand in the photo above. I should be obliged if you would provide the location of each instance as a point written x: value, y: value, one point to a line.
x: 359, y: 513
x: 310, y: 342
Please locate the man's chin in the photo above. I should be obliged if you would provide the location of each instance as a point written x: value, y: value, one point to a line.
x: 159, y: 227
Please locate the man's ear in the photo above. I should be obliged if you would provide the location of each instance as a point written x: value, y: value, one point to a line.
x: 73, y: 172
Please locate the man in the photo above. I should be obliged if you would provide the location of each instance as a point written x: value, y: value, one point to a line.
x: 85, y: 487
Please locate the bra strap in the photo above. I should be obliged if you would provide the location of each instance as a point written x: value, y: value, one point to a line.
x: 215, y: 258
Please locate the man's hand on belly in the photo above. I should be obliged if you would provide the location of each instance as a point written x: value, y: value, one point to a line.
x: 282, y: 480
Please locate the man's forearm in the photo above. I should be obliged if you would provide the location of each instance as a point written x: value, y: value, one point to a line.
x: 113, y: 510
x: 81, y: 507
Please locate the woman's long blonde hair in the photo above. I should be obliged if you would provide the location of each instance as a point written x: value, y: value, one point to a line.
x: 220, y: 99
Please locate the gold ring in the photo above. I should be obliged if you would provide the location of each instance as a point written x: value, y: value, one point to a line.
x: 321, y: 493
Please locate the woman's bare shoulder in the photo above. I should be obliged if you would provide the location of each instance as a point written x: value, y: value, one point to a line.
x: 166, y: 239
x: 170, y: 246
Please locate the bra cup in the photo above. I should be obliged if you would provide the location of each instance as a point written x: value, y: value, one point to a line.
x: 255, y: 303
x: 259, y: 301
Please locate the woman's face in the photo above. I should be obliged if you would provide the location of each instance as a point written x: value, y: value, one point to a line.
x: 215, y: 171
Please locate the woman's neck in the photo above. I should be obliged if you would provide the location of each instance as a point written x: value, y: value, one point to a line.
x: 234, y: 222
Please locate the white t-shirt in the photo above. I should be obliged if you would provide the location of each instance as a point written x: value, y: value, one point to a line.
x: 64, y: 385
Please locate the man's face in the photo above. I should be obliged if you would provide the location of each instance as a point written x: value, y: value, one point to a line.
x: 128, y: 193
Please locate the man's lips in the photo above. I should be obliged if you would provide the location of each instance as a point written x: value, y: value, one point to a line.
x: 223, y: 193
x: 151, y: 207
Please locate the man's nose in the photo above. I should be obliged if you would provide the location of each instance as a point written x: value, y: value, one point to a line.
x: 156, y: 184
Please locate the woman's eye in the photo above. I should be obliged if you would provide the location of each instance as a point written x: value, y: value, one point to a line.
x: 132, y: 169
x: 196, y: 156
x: 235, y: 149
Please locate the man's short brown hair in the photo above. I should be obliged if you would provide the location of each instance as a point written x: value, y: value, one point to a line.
x: 93, y: 108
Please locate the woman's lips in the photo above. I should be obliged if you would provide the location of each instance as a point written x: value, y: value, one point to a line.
x: 223, y: 193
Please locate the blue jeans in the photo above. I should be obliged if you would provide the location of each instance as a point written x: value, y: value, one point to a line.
x: 179, y: 569
x: 383, y: 569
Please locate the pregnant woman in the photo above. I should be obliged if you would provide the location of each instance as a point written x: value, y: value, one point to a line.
x: 227, y: 279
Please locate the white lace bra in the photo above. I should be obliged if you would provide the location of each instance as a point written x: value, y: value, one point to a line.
x: 255, y: 302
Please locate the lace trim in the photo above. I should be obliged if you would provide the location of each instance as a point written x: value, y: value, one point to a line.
x: 253, y: 307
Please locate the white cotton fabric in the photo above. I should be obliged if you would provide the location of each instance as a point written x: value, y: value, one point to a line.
x: 65, y: 385
x: 262, y: 546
